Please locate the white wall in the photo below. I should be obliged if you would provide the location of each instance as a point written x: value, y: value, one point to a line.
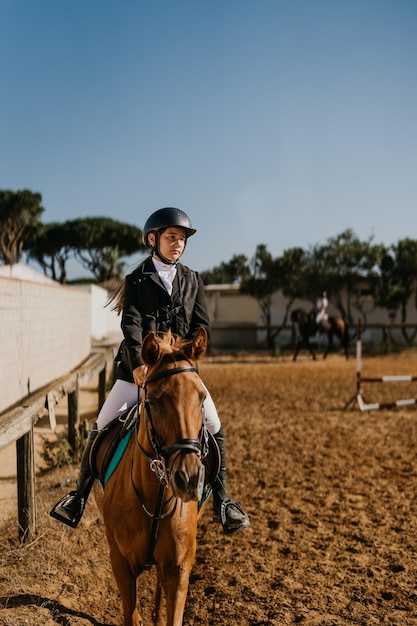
x: 228, y: 307
x: 45, y: 331
x: 105, y: 323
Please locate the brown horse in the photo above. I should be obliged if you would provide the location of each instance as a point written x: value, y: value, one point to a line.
x: 150, y: 505
x: 308, y: 327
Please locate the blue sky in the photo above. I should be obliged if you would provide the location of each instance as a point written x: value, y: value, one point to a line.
x: 280, y: 122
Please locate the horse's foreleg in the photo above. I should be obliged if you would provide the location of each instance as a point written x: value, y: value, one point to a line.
x: 126, y: 582
x: 329, y: 345
x: 300, y: 342
x: 345, y: 341
x: 176, y: 587
x: 310, y: 349
x: 159, y: 612
x: 347, y: 351
x: 297, y: 350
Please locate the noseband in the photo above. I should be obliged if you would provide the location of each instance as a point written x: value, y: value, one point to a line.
x: 197, y: 446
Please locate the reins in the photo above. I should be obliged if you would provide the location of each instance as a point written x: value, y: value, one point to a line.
x: 158, y: 464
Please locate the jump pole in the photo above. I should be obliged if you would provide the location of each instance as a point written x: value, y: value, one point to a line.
x: 379, y: 379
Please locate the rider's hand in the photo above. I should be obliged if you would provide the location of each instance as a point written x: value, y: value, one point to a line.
x: 139, y: 374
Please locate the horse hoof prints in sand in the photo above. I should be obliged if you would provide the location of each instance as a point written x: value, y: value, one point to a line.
x: 150, y: 505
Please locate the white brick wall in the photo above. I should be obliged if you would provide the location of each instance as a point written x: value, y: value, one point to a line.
x: 105, y: 323
x: 45, y: 331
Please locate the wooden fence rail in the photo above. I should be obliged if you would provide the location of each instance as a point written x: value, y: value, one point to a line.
x: 18, y: 424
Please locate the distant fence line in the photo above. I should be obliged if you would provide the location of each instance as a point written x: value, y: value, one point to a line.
x: 389, y: 333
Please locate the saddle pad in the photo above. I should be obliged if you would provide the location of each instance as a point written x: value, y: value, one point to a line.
x: 211, y: 463
x: 117, y: 455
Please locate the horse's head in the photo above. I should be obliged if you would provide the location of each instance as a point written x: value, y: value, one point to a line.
x: 174, y: 396
x: 300, y: 317
x: 294, y: 316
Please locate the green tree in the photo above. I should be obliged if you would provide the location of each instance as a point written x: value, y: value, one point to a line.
x: 397, y: 281
x: 51, y: 245
x: 262, y: 279
x: 293, y: 268
x: 100, y: 243
x: 227, y: 273
x: 19, y: 212
x: 341, y: 267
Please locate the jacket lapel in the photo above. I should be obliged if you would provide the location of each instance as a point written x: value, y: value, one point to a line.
x: 148, y: 269
x: 178, y: 285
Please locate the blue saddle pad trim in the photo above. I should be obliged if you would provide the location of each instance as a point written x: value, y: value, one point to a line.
x: 117, y: 455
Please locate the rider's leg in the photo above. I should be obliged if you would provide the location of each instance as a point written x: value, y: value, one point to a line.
x: 225, y: 510
x: 70, y: 507
x: 123, y: 395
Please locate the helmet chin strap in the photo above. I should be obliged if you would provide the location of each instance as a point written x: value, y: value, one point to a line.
x: 163, y: 259
x: 157, y: 251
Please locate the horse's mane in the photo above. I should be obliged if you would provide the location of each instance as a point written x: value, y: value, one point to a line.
x: 171, y: 342
x: 171, y: 348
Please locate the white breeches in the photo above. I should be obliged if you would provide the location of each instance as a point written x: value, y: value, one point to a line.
x: 321, y: 315
x: 124, y: 395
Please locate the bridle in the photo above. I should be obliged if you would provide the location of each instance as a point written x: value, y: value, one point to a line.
x: 163, y: 453
x: 197, y: 446
x: 158, y: 464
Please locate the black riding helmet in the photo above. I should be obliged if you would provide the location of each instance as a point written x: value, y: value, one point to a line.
x: 162, y: 219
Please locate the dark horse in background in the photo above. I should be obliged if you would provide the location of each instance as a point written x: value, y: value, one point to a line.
x: 308, y: 327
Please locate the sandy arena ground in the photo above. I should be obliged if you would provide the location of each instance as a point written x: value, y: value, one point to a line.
x: 331, y: 494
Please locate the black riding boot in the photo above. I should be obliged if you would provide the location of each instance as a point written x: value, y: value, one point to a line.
x: 70, y: 507
x: 225, y: 510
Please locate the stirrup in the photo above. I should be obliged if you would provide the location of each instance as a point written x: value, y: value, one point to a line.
x: 221, y: 517
x: 66, y: 515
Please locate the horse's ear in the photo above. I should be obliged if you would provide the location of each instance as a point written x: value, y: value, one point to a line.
x: 150, y: 350
x: 196, y: 349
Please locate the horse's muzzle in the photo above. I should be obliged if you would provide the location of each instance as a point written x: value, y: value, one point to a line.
x: 186, y: 476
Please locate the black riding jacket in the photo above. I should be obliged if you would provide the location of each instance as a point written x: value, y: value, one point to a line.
x: 148, y: 306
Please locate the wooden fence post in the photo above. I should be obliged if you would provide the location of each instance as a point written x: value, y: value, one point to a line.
x: 26, y: 485
x: 102, y: 377
x: 73, y: 418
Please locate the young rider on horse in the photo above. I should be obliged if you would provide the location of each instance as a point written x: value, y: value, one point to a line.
x: 160, y: 295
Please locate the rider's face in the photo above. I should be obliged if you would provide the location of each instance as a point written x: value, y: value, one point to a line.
x: 171, y: 242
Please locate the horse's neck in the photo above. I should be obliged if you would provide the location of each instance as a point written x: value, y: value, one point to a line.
x: 143, y: 434
x: 144, y: 454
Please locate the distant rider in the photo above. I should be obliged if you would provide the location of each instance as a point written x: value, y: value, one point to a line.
x: 321, y: 308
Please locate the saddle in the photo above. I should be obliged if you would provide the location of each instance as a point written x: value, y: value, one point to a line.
x: 110, y: 443
x: 107, y: 442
